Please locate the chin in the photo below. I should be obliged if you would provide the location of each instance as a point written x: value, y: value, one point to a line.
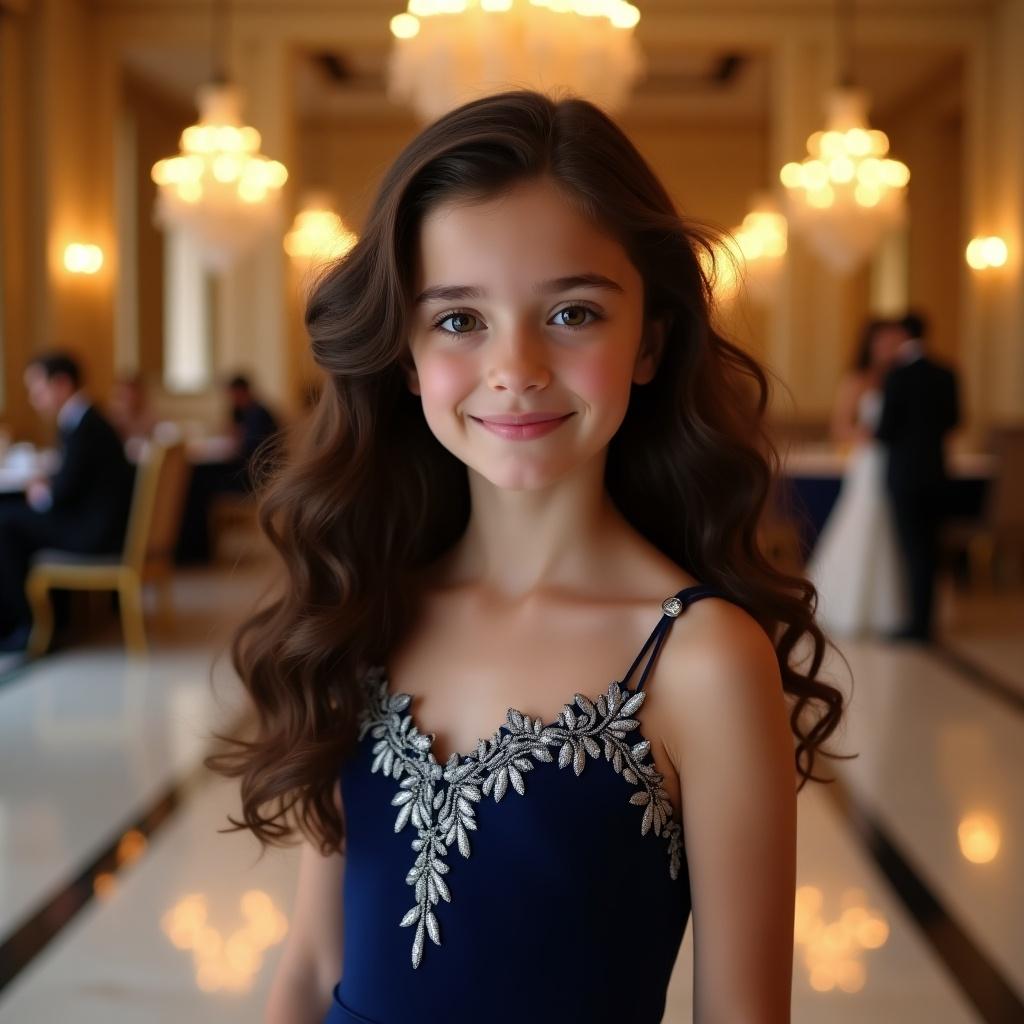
x: 527, y: 475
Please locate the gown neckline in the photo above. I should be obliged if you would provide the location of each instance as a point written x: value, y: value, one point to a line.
x: 380, y: 676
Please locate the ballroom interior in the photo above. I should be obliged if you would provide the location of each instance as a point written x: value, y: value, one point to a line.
x: 119, y: 899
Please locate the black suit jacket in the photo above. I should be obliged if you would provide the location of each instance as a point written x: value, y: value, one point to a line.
x: 920, y: 407
x: 92, y: 488
x: 258, y: 423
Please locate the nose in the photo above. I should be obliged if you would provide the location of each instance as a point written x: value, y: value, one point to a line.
x: 518, y: 362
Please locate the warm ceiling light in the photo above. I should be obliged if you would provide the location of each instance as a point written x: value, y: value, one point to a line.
x: 80, y: 258
x: 762, y: 240
x: 846, y: 193
x: 318, y: 234
x: 220, y: 188
x: 445, y: 52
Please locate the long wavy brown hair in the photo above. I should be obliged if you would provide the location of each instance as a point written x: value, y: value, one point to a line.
x: 367, y: 496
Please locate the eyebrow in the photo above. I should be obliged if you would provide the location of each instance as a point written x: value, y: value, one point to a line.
x: 455, y: 292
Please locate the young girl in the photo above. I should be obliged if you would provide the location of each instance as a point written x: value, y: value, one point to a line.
x: 529, y: 690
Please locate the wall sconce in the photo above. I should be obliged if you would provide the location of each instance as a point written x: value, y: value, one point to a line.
x: 83, y: 259
x: 983, y: 253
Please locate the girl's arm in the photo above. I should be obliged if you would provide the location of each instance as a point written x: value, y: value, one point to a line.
x: 728, y: 726
x: 310, y: 963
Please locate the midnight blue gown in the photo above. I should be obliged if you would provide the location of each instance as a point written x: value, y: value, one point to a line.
x: 540, y: 878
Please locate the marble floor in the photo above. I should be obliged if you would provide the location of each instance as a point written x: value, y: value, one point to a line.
x: 909, y: 906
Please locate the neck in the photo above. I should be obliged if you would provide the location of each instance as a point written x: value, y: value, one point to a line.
x: 522, y: 540
x: 64, y: 404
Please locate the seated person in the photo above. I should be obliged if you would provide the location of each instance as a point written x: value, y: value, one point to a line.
x: 251, y: 423
x: 130, y: 414
x: 83, y: 507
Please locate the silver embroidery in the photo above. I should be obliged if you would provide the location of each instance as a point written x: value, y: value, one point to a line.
x: 443, y: 814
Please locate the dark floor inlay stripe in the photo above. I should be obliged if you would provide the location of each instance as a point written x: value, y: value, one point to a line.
x: 29, y: 939
x: 980, y: 980
x: 983, y: 678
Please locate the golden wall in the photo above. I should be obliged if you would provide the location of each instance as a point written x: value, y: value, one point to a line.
x: 80, y: 131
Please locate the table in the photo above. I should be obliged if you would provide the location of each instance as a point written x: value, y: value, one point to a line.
x: 812, y: 475
x: 23, y: 462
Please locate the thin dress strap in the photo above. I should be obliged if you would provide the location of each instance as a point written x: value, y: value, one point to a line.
x: 672, y: 607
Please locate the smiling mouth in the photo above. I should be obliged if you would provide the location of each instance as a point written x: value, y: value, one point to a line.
x: 530, y: 426
x: 521, y: 419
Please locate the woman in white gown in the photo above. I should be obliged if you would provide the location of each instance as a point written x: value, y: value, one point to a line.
x: 856, y: 564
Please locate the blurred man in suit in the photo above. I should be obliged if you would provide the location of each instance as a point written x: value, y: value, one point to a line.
x: 83, y: 507
x: 920, y: 407
x: 251, y: 423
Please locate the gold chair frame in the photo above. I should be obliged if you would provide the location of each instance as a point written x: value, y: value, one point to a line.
x: 153, y: 523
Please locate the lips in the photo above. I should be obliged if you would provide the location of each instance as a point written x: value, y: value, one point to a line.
x: 519, y: 419
x: 522, y: 426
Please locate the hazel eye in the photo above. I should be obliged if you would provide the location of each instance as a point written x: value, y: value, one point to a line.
x: 453, y: 316
x: 580, y: 309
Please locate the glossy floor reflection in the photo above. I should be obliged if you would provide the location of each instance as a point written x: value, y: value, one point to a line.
x: 192, y: 927
x: 942, y: 765
x: 886, y: 973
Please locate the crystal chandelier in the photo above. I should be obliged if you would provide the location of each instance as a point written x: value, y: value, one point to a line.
x: 220, y: 190
x: 446, y: 52
x: 318, y: 234
x: 846, y: 194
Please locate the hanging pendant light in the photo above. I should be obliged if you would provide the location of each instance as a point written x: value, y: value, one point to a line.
x: 446, y: 52
x: 846, y: 194
x: 748, y: 259
x: 219, y: 189
x: 318, y: 234
x: 761, y: 241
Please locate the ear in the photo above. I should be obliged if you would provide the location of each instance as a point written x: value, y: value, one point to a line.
x: 651, y: 347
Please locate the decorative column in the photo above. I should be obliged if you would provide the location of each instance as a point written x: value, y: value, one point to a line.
x: 1006, y: 166
x: 252, y: 328
x: 73, y: 195
x: 993, y: 320
x: 807, y: 347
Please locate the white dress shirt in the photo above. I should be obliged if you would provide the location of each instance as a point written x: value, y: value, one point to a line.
x: 68, y: 417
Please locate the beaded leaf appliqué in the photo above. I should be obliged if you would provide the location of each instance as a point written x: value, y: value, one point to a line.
x: 439, y: 800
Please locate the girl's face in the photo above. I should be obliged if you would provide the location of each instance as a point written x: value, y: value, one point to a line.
x: 522, y: 306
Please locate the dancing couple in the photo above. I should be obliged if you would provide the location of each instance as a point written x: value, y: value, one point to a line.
x: 875, y: 560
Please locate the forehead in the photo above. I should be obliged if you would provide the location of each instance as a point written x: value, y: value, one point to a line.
x: 507, y: 243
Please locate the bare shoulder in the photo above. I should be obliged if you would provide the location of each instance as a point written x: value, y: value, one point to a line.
x: 717, y: 641
x: 717, y: 670
x: 723, y: 715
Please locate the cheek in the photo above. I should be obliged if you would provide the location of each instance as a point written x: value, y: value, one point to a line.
x: 602, y: 380
x: 444, y: 382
